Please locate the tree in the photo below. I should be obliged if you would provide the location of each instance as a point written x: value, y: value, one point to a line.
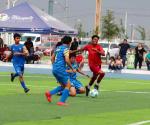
x: 81, y: 32
x: 122, y: 30
x: 110, y: 29
x: 142, y: 32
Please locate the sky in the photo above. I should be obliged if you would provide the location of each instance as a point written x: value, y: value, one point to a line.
x: 83, y: 11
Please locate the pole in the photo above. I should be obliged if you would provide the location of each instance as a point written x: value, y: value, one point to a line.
x: 50, y: 7
x: 125, y: 24
x: 98, y: 16
x: 66, y: 10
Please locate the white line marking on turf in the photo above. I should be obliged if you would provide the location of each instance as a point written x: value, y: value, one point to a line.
x: 46, y: 86
x: 140, y: 123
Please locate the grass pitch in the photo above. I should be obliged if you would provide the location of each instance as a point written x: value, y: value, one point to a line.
x: 121, y: 102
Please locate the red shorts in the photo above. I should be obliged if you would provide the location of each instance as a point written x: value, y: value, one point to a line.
x: 95, y: 69
x: 79, y: 58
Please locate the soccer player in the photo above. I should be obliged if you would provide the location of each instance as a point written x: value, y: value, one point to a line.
x: 59, y: 60
x: 19, y: 52
x: 76, y: 86
x: 95, y: 51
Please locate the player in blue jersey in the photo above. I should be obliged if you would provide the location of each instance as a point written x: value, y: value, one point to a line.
x: 19, y: 52
x: 76, y: 85
x: 59, y: 60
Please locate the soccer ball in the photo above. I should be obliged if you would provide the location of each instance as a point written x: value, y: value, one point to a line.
x: 93, y: 93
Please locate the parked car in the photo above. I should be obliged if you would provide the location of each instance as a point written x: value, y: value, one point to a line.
x: 111, y: 49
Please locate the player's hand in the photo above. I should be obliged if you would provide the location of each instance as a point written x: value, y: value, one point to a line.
x: 74, y: 70
x: 95, y: 49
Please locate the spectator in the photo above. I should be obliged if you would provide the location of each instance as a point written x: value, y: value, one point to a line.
x: 30, y: 48
x: 112, y: 64
x: 38, y: 52
x: 139, y: 55
x: 6, y: 55
x: 1, y: 42
x: 74, y: 44
x: 123, y: 51
x: 118, y: 63
x: 147, y: 60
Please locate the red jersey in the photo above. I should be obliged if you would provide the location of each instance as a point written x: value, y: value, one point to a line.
x: 94, y: 58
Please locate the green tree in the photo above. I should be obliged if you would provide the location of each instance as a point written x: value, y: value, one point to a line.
x: 110, y: 29
x: 142, y: 32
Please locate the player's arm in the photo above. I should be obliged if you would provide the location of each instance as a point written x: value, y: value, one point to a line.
x: 25, y: 51
x: 100, y: 51
x: 66, y: 54
x: 53, y: 58
x: 70, y: 71
x: 82, y: 73
x: 74, y: 51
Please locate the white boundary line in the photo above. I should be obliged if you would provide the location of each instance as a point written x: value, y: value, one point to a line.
x: 140, y: 123
x: 46, y: 86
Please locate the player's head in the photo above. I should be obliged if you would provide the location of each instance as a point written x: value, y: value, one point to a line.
x: 125, y: 41
x: 72, y: 58
x: 29, y: 39
x: 17, y: 38
x: 66, y: 40
x: 95, y: 39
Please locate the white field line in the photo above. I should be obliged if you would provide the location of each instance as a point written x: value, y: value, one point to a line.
x: 46, y: 86
x: 140, y: 123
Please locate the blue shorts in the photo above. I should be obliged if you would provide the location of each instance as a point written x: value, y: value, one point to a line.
x: 61, y: 76
x: 19, y: 69
x: 75, y: 83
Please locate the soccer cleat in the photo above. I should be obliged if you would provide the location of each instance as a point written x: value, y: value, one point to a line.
x: 87, y: 90
x: 96, y: 87
x: 62, y: 104
x: 12, y: 77
x: 48, y: 96
x: 26, y: 90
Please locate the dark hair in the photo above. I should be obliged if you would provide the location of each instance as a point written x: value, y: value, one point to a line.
x: 59, y: 44
x: 66, y: 40
x: 125, y: 40
x: 29, y: 39
x: 72, y: 55
x: 17, y: 35
x: 95, y: 36
x: 113, y: 58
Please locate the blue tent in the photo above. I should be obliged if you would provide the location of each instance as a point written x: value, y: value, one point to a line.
x: 26, y: 18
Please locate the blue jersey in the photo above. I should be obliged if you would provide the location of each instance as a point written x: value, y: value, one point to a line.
x: 60, y: 63
x: 18, y: 59
x: 73, y: 75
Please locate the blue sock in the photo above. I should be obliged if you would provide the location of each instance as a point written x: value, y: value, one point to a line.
x: 15, y: 75
x: 64, y: 96
x: 56, y: 90
x: 23, y: 85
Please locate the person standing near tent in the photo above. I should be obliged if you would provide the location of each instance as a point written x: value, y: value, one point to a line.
x: 123, y: 51
x: 139, y: 55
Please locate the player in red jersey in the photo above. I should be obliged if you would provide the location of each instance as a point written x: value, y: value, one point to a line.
x: 95, y: 51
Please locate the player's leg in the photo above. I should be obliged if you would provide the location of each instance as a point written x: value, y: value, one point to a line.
x: 65, y: 94
x: 92, y: 80
x: 140, y: 63
x: 60, y: 88
x: 14, y: 75
x: 99, y: 79
x: 79, y: 87
x: 72, y: 91
x: 135, y: 62
x: 20, y: 71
